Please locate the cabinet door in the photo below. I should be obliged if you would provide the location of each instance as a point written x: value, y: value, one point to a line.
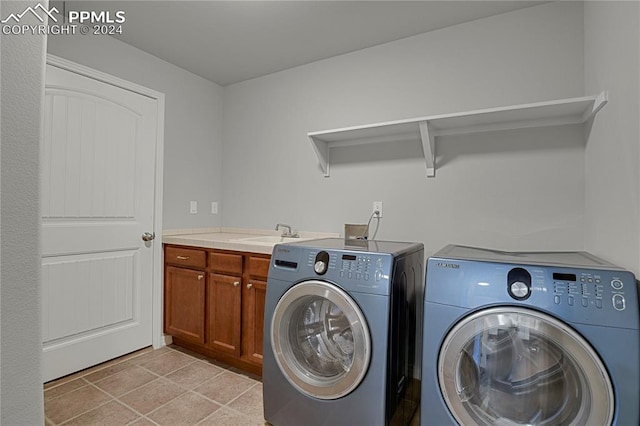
x: 253, y: 320
x: 224, y: 295
x: 184, y: 303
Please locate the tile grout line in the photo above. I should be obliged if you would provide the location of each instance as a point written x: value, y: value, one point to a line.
x: 229, y: 402
x: 89, y: 371
x: 220, y: 404
x: 186, y: 390
x: 182, y: 394
x: 205, y: 361
x: 92, y: 408
x: 145, y: 415
x: 113, y: 397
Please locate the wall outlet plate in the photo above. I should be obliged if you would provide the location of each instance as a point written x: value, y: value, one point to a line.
x: 377, y: 207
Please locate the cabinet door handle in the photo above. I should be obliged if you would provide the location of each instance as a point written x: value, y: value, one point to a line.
x: 249, y: 285
x: 200, y: 277
x: 236, y: 283
x: 182, y: 257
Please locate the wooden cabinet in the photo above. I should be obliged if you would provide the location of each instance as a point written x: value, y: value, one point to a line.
x: 224, y: 299
x: 253, y: 320
x: 185, y: 257
x: 224, y: 296
x: 214, y: 303
x: 253, y: 302
x: 184, y: 293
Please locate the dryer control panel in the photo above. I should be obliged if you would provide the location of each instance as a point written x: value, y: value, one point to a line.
x: 605, y: 297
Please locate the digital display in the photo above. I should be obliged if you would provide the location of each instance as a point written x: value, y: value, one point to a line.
x: 286, y: 264
x: 564, y: 277
x: 348, y: 257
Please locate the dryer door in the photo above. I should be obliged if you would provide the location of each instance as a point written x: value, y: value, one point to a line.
x: 510, y: 365
x: 320, y: 340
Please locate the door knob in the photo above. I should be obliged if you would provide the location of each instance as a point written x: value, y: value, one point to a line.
x: 148, y: 236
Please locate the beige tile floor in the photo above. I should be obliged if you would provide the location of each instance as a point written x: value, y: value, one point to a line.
x: 168, y: 386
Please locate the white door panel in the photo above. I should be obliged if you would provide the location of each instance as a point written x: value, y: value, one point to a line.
x: 98, y: 186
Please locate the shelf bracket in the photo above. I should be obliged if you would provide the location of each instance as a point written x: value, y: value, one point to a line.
x: 599, y: 102
x: 322, y: 152
x: 428, y: 147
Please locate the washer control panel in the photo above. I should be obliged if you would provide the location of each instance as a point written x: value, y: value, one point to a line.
x: 358, y: 269
x: 591, y: 289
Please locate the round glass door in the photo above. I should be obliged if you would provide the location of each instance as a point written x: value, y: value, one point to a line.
x: 515, y: 366
x: 320, y: 340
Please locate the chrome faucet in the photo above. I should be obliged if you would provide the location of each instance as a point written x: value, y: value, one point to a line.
x: 287, y: 232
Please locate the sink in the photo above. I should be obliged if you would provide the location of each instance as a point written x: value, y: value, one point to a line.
x: 267, y: 240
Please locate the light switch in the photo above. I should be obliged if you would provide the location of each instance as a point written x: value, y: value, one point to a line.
x: 193, y: 207
x: 214, y: 207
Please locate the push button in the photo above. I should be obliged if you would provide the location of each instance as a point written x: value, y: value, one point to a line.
x: 618, y: 302
x: 585, y: 302
x: 556, y: 300
x: 599, y: 303
x: 570, y: 300
x: 617, y: 284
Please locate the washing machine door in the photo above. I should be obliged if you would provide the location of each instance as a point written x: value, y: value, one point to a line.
x: 514, y: 366
x: 320, y: 340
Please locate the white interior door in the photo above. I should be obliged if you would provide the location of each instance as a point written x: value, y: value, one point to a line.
x: 98, y: 187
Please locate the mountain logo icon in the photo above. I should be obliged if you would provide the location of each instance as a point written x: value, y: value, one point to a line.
x: 34, y: 12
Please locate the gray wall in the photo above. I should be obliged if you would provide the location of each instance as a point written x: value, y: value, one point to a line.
x: 511, y: 190
x: 612, y: 62
x: 21, y: 97
x: 193, y: 113
x: 508, y: 190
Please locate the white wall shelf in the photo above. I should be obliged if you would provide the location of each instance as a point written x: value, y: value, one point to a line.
x: 426, y: 129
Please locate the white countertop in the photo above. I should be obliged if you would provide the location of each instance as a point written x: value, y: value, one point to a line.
x: 239, y: 239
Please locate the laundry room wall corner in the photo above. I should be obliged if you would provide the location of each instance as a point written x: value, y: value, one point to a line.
x: 612, y: 188
x: 22, y: 60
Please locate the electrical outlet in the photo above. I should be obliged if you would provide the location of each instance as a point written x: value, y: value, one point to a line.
x: 377, y: 207
x: 193, y: 207
x: 214, y: 207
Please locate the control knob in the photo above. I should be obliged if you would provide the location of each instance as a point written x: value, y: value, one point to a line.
x: 320, y: 267
x: 519, y: 283
x: 519, y: 289
x: 321, y: 263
